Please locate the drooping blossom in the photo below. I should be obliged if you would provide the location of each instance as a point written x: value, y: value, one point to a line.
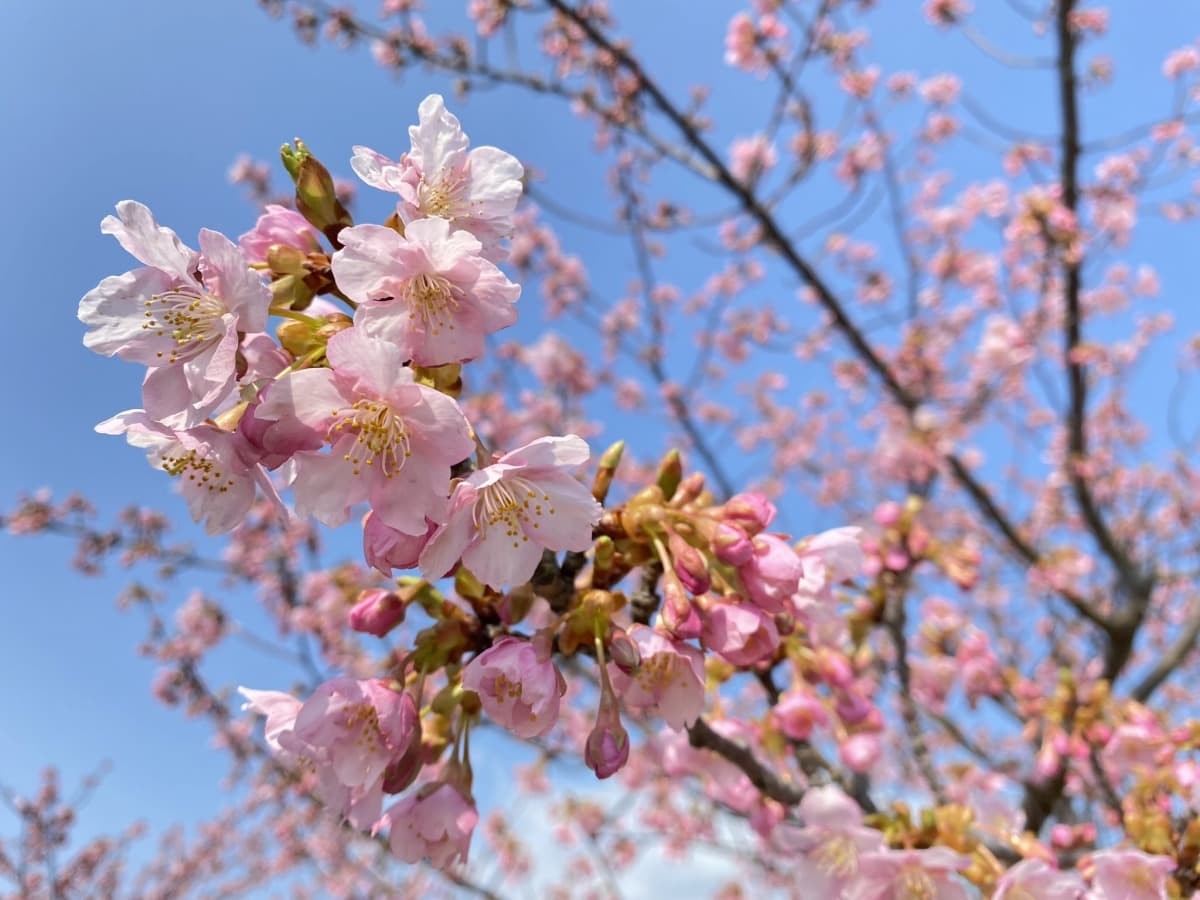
x: 1035, y: 879
x: 181, y: 315
x: 350, y: 732
x: 903, y: 874
x: 433, y: 823
x: 518, y: 686
x: 740, y: 632
x: 376, y: 612
x: 428, y: 291
x: 503, y: 516
x: 477, y: 190
x: 279, y: 226
x: 1130, y: 875
x: 669, y: 682
x: 832, y: 841
x: 391, y: 441
x: 385, y: 548
x: 214, y: 477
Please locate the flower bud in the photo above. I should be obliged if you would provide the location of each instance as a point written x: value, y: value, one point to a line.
x: 377, y: 612
x: 730, y: 544
x: 752, y: 511
x: 690, y: 565
x: 678, y: 615
x: 623, y: 651
x: 607, y: 747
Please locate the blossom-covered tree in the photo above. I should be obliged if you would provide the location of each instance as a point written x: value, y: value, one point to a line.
x: 972, y: 681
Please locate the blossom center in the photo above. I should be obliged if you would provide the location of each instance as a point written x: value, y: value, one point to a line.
x: 837, y: 857
x: 441, y: 195
x: 362, y: 721
x: 512, y: 504
x: 433, y: 299
x: 202, y: 471
x: 379, y: 435
x: 915, y: 884
x: 189, y: 316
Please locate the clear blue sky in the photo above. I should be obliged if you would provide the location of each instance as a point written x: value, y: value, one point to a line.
x: 153, y: 101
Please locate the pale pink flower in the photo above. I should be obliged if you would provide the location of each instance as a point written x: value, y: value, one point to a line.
x: 740, y: 632
x: 181, y: 315
x: 434, y: 823
x: 1034, y: 879
x: 669, y: 682
x: 429, y: 291
x: 751, y: 158
x: 279, y: 226
x: 351, y: 732
x: 519, y: 689
x: 829, y: 558
x: 503, y: 516
x: 1186, y: 59
x: 392, y: 441
x: 279, y: 708
x: 831, y: 843
x: 213, y: 473
x: 477, y: 190
x: 1130, y: 875
x: 772, y: 575
x: 902, y: 875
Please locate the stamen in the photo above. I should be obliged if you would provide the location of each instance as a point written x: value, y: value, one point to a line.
x: 510, y: 503
x: 188, y: 315
x: 380, y: 434
x: 432, y: 299
x: 202, y: 471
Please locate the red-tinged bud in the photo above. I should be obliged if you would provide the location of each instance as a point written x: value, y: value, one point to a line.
x: 624, y: 652
x: 834, y: 669
x: 404, y: 771
x: 731, y: 545
x: 607, y: 747
x: 678, y: 616
x: 753, y: 512
x: 377, y: 612
x: 690, y: 565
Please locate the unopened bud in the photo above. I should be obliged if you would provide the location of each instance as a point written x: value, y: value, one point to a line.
x: 670, y: 472
x: 690, y: 565
x: 752, y: 511
x: 730, y: 544
x: 624, y: 652
x: 377, y: 612
x: 689, y: 489
x: 607, y: 747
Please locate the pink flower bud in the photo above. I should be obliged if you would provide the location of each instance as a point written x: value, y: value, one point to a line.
x: 607, y: 747
x: 888, y: 513
x: 740, y: 632
x: 797, y: 713
x: 690, y: 565
x: 731, y: 545
x: 678, y: 615
x: 377, y: 612
x: 753, y: 512
x: 860, y: 751
x: 624, y: 652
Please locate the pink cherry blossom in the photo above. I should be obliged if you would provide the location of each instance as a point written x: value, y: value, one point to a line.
x: 279, y: 708
x: 1130, y: 875
x: 829, y: 558
x: 740, y: 632
x: 377, y: 612
x: 669, y: 682
x: 279, y: 226
x: 798, y: 712
x: 901, y: 875
x: 392, y: 441
x: 1034, y: 879
x: 831, y: 843
x: 434, y: 823
x: 350, y: 732
x: 428, y: 291
x: 211, y: 466
x: 476, y: 190
x: 772, y: 575
x: 181, y: 315
x: 503, y: 516
x: 519, y: 688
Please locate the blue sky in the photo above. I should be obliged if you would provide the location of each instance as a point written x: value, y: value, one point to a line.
x: 153, y: 101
